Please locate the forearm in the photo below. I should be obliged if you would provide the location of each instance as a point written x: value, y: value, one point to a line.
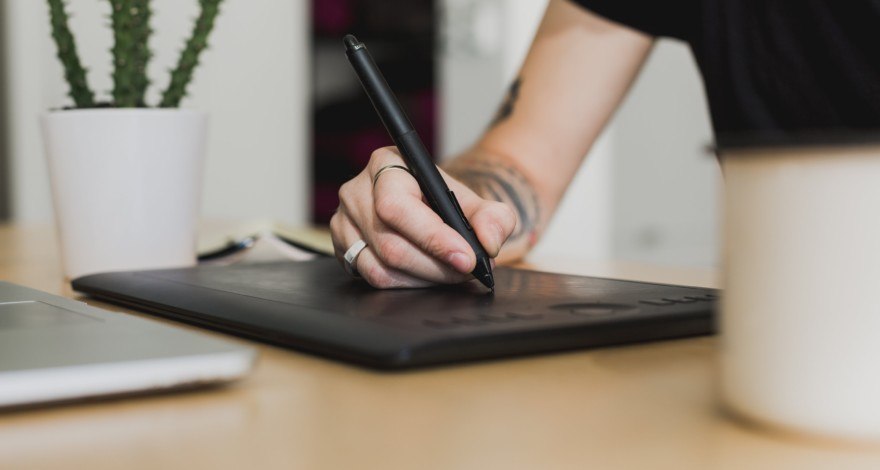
x: 496, y: 177
x: 575, y: 75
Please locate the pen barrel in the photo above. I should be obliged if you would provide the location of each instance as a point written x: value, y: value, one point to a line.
x: 441, y: 199
x: 417, y: 157
x: 380, y: 94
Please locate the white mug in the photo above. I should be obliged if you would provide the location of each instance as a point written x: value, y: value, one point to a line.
x: 800, y: 320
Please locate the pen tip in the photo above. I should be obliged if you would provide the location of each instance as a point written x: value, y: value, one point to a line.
x: 350, y: 41
x: 484, y: 273
x: 489, y: 281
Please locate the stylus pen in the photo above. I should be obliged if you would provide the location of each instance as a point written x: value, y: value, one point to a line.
x: 417, y: 158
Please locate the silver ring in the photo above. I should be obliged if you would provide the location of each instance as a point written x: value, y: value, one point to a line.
x: 351, y: 256
x: 389, y: 167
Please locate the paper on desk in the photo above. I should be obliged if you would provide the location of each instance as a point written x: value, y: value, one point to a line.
x: 271, y: 241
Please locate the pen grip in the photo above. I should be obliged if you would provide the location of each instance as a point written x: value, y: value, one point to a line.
x: 433, y: 186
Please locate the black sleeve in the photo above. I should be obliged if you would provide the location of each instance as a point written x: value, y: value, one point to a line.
x: 673, y: 18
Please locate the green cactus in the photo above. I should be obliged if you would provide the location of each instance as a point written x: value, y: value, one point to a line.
x: 189, y: 58
x: 74, y: 73
x: 131, y: 52
x: 130, y: 20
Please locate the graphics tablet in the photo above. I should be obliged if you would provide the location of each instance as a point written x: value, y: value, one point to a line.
x: 315, y: 307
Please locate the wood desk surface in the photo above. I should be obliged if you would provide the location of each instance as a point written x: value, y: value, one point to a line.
x: 650, y: 406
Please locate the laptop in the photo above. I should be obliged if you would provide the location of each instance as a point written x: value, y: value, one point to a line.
x: 315, y: 307
x: 57, y: 349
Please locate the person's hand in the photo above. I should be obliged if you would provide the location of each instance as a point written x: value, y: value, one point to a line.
x: 408, y: 245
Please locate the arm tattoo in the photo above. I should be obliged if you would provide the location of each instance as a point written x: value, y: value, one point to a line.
x: 501, y: 182
x: 507, y: 105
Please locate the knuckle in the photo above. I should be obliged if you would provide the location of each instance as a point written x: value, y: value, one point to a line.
x: 507, y: 216
x: 389, y: 209
x: 344, y: 191
x: 502, y: 214
x: 381, y: 155
x: 379, y: 152
x: 348, y: 194
x: 346, y: 187
x: 433, y: 244
x: 337, y: 233
x: 392, y: 251
x: 377, y: 276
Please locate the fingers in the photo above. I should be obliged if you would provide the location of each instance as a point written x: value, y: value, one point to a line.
x: 399, y: 206
x: 395, y: 250
x: 368, y: 266
x: 493, y: 222
x: 408, y: 244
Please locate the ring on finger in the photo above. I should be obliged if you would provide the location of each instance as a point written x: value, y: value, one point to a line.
x: 389, y: 167
x: 351, y: 256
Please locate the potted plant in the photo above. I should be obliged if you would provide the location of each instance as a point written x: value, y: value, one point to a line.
x: 126, y: 176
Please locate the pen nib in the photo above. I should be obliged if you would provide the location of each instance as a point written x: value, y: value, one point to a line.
x: 485, y: 274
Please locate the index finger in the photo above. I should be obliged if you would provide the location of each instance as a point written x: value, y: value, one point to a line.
x: 399, y: 205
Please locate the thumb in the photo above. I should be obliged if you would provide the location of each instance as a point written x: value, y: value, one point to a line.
x: 493, y: 223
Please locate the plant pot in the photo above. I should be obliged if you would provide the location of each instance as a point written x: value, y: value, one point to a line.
x: 126, y: 185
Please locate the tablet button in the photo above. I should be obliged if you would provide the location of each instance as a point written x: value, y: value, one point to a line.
x: 657, y: 303
x: 467, y: 321
x: 524, y: 316
x: 704, y: 297
x: 594, y: 309
x: 438, y: 324
x: 494, y: 318
x: 682, y: 300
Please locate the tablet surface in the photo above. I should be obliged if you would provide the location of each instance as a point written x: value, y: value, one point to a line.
x: 314, y: 306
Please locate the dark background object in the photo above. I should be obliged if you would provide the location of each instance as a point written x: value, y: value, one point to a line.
x: 402, y: 36
x: 5, y: 206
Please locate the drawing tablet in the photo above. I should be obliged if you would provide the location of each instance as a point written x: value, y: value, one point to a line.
x: 313, y: 306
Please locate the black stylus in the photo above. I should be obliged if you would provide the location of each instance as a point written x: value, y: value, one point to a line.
x: 417, y: 158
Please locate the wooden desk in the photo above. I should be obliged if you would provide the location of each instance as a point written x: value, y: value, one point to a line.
x: 649, y: 406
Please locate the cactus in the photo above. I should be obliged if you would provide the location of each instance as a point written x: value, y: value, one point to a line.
x: 189, y: 57
x: 131, y: 52
x: 74, y: 73
x: 130, y: 20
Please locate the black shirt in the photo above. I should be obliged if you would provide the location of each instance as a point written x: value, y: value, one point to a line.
x: 773, y: 65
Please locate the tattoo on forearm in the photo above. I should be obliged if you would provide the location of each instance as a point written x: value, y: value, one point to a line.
x: 505, y: 184
x: 506, y: 108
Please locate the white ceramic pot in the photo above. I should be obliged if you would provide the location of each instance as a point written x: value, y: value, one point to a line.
x: 800, y: 328
x: 126, y: 186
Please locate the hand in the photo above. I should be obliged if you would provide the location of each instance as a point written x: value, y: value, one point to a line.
x: 408, y: 244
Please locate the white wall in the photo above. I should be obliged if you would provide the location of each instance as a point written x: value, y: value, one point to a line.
x: 253, y: 82
x: 666, y: 182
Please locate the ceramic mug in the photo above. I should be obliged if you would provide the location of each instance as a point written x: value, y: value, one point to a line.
x: 800, y: 321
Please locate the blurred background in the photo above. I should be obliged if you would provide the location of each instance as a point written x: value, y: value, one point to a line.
x: 289, y: 122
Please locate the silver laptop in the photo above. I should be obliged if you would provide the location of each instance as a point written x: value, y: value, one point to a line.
x: 58, y: 349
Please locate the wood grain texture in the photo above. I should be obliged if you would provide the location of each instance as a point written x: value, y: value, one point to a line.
x: 650, y: 406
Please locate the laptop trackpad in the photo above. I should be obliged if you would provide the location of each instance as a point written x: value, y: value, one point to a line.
x: 19, y: 315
